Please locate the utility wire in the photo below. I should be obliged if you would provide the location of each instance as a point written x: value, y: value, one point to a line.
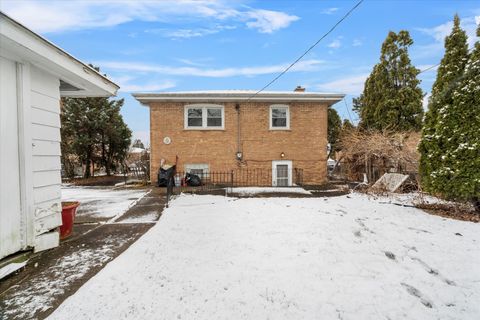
x: 346, y: 107
x: 307, y: 51
x: 429, y: 68
x: 438, y: 64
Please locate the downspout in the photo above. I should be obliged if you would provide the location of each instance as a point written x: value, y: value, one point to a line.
x: 239, y: 154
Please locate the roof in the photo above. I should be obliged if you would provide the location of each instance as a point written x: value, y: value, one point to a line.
x: 76, y: 78
x: 238, y: 96
x: 136, y: 150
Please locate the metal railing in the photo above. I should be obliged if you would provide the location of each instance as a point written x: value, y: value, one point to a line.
x: 220, y: 181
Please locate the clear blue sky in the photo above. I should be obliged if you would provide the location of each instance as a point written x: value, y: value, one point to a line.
x: 211, y: 45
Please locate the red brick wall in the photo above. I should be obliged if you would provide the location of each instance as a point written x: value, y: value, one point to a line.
x: 305, y: 143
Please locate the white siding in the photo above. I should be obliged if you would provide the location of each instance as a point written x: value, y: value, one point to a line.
x: 45, y: 111
x: 11, y: 235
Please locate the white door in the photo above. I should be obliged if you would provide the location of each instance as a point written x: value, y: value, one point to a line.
x: 11, y: 234
x: 282, y: 173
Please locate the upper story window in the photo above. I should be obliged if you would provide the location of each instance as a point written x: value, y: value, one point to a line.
x: 279, y: 117
x: 204, y: 116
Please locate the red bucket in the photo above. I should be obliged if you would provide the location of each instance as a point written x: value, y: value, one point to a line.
x: 68, y: 216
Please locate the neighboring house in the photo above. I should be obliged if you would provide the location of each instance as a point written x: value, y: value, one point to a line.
x: 137, y: 157
x: 35, y: 74
x: 212, y: 131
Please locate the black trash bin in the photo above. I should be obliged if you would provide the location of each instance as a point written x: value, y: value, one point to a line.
x: 165, y: 175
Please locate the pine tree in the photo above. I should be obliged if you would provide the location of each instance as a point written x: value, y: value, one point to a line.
x: 449, y: 73
x: 92, y: 131
x: 392, y: 98
x: 333, y: 129
x: 458, y: 174
x: 347, y: 125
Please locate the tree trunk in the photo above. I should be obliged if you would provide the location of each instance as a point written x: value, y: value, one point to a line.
x: 88, y: 164
x: 86, y: 174
x: 476, y: 204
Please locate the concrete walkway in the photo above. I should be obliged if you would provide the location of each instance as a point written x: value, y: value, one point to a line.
x: 52, y: 276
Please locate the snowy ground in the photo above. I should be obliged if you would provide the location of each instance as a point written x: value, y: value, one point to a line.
x: 53, y: 281
x: 101, y: 203
x: 256, y: 190
x: 348, y: 257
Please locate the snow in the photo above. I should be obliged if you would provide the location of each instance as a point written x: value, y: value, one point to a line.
x: 55, y: 280
x: 136, y: 150
x: 257, y: 190
x: 148, y: 217
x: 102, y: 202
x: 348, y: 257
x: 11, y: 268
x: 238, y: 91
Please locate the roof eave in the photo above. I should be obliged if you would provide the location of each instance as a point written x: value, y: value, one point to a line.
x: 29, y: 46
x: 149, y: 98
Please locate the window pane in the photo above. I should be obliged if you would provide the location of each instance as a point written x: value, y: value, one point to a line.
x: 279, y: 113
x: 279, y: 122
x: 214, y: 122
x: 214, y: 117
x: 194, y: 117
x: 214, y: 113
x: 194, y: 122
x: 195, y: 113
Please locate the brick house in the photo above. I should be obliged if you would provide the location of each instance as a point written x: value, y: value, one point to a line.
x: 210, y: 131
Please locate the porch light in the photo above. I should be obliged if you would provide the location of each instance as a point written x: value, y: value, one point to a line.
x: 282, y: 155
x: 239, y: 155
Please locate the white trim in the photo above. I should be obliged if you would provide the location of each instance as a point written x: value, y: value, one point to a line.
x: 24, y: 44
x: 239, y: 96
x: 198, y: 166
x: 204, y: 107
x: 273, y: 106
x: 274, y: 171
x: 25, y: 154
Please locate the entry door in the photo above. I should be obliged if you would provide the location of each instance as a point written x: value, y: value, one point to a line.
x: 282, y: 173
x: 11, y: 234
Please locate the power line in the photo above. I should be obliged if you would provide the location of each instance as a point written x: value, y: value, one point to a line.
x: 469, y: 51
x: 429, y: 68
x: 307, y: 51
x: 346, y: 107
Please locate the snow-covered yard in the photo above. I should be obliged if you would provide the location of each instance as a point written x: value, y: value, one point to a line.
x: 349, y: 257
x: 101, y: 203
x: 249, y: 191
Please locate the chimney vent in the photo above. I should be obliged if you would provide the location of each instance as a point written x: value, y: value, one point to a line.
x: 299, y: 89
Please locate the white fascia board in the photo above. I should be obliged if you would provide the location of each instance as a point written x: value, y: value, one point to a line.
x: 146, y: 98
x: 27, y: 46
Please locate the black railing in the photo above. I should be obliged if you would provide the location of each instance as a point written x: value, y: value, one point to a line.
x: 221, y: 181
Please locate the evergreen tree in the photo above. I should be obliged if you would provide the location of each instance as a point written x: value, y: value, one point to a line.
x: 392, y: 98
x: 93, y: 130
x: 333, y: 129
x: 347, y: 125
x: 458, y: 174
x: 115, y: 136
x: 449, y: 74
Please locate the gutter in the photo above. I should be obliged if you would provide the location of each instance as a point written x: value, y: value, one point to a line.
x: 146, y: 98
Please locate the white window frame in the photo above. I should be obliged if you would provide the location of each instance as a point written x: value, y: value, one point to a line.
x: 274, y: 171
x: 204, y: 108
x: 198, y: 166
x: 274, y: 106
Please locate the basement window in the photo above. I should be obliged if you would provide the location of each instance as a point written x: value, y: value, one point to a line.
x: 204, y: 117
x: 279, y: 117
x: 200, y: 169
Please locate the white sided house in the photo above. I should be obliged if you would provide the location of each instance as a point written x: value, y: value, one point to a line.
x: 34, y: 75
